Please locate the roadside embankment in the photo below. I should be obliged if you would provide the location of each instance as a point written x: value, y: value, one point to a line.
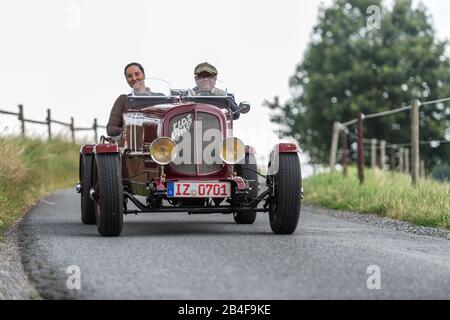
x: 30, y: 169
x: 384, y: 193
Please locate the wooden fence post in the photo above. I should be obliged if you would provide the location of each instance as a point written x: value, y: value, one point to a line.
x: 95, y: 126
x: 401, y: 158
x: 21, y: 119
x: 373, y: 155
x: 406, y: 164
x: 346, y: 152
x: 334, y: 145
x: 383, y: 155
x: 72, y: 128
x: 422, y: 169
x: 360, y: 132
x: 393, y: 158
x: 49, y: 124
x: 415, y: 157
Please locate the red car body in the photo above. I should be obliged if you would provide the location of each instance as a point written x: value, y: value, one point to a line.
x: 131, y: 161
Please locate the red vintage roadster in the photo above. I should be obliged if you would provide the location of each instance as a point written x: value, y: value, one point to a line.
x: 177, y: 150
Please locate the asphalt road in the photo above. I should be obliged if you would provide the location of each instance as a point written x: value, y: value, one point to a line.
x: 177, y: 256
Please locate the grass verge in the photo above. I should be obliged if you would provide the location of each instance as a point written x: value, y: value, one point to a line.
x: 31, y: 169
x: 384, y: 193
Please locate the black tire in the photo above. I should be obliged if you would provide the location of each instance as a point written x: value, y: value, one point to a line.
x: 287, y: 182
x: 108, y: 194
x: 87, y: 204
x: 247, y: 170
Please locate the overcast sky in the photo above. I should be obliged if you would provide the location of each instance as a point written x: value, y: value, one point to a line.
x: 69, y: 55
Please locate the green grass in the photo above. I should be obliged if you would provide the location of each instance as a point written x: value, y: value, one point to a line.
x: 384, y: 193
x: 31, y: 169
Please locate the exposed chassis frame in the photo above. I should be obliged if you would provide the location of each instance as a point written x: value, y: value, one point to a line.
x: 251, y: 207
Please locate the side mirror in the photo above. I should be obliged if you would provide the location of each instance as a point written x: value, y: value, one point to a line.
x: 244, y: 107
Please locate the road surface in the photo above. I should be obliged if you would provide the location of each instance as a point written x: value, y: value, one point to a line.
x: 181, y: 256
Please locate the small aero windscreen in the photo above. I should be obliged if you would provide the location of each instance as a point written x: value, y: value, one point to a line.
x: 207, y: 87
x: 151, y: 88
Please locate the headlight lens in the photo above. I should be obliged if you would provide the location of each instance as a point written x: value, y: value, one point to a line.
x: 163, y: 150
x: 232, y: 150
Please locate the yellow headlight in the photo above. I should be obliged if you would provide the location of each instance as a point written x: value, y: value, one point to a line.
x: 163, y: 150
x: 232, y: 150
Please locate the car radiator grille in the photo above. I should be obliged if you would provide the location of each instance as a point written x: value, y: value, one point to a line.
x: 181, y: 126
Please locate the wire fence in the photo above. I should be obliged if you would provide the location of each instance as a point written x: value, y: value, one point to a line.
x: 401, y: 159
x: 49, y: 121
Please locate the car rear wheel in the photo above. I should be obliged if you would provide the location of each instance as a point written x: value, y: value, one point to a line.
x: 286, y: 203
x: 247, y: 170
x: 87, y: 204
x: 108, y: 194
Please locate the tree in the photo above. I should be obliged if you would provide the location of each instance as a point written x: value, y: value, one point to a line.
x: 350, y: 67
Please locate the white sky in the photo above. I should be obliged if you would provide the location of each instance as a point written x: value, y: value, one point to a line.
x: 46, y: 61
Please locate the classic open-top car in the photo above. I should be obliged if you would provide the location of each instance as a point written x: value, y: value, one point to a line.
x: 177, y: 150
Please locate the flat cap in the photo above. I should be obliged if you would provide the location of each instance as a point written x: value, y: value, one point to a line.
x: 205, y: 67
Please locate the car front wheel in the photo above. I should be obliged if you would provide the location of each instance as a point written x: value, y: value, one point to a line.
x: 108, y: 194
x: 286, y: 201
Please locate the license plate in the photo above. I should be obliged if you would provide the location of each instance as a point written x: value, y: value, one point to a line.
x: 182, y: 189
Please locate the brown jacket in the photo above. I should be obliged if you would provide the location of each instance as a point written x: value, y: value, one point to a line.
x: 115, y: 123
